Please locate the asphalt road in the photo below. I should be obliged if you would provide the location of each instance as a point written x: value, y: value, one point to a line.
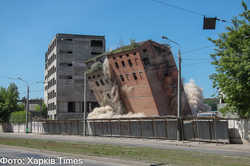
x: 12, y: 156
x: 212, y: 148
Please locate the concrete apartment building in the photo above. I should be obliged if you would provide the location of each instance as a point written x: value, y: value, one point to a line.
x: 145, y: 76
x: 64, y: 78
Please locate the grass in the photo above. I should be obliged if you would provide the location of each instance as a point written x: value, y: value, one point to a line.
x: 174, y: 157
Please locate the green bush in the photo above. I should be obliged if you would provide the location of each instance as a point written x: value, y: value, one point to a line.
x: 18, y: 117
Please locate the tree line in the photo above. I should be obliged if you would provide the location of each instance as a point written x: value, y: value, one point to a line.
x: 11, y: 109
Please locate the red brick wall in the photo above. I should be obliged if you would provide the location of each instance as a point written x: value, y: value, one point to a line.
x: 135, y: 93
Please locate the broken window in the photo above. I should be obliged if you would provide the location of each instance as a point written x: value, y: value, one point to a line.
x: 130, y: 63
x: 69, y: 52
x: 108, y: 95
x: 65, y: 77
x: 134, y: 53
x: 123, y: 63
x: 134, y: 75
x: 141, y: 75
x: 68, y: 39
x: 97, y: 83
x: 102, y: 82
x: 122, y: 78
x: 71, y: 107
x: 96, y: 43
x: 65, y: 64
x: 116, y: 65
x: 127, y: 76
x: 145, y: 61
x: 69, y: 77
x: 136, y: 61
x: 144, y: 50
x: 95, y: 53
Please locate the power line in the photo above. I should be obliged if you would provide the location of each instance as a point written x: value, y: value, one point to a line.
x: 178, y: 7
x: 196, y: 49
x: 186, y: 10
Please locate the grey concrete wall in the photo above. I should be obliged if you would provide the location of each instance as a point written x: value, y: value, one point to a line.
x: 202, y: 130
x: 216, y: 131
x: 71, y: 51
x: 239, y: 130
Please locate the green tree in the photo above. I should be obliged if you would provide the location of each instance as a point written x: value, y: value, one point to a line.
x: 8, y: 101
x: 232, y: 64
x: 212, y: 102
x: 42, y: 110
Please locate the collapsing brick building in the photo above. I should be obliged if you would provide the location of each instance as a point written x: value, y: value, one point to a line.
x: 139, y: 78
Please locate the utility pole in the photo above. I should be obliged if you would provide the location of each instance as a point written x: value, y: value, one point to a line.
x: 179, y: 133
x: 85, y: 103
x: 27, y: 104
x: 27, y: 110
x: 179, y: 122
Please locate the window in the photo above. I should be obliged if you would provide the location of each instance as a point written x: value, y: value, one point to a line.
x: 134, y: 53
x: 69, y: 52
x: 122, y: 78
x: 65, y: 77
x: 95, y: 53
x: 116, y: 65
x: 65, y: 64
x: 136, y: 61
x: 145, y: 61
x: 68, y: 39
x: 108, y: 95
x: 144, y: 50
x: 102, y: 82
x: 127, y: 55
x: 141, y: 75
x: 69, y: 77
x: 71, y: 107
x: 134, y: 75
x: 97, y: 83
x: 127, y: 76
x: 106, y: 81
x: 96, y: 43
x: 130, y: 63
x: 123, y: 63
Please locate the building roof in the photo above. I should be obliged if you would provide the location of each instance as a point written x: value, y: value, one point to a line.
x: 132, y: 46
x: 77, y: 35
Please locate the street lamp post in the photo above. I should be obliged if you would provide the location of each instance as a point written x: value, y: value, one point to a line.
x: 85, y: 103
x: 27, y: 104
x: 179, y: 133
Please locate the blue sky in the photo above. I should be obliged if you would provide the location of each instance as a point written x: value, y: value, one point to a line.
x: 27, y: 27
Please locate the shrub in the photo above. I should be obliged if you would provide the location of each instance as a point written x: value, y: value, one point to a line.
x: 18, y: 117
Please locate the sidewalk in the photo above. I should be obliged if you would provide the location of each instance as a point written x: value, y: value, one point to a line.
x: 203, y: 147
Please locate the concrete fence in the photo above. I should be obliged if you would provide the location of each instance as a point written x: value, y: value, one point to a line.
x: 164, y: 128
x: 202, y: 129
x: 239, y: 130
